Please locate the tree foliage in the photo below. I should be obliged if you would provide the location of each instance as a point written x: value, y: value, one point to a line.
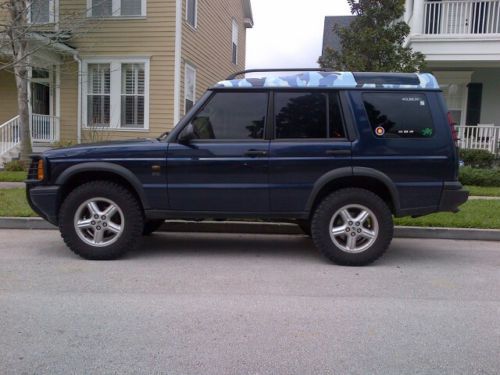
x: 374, y: 41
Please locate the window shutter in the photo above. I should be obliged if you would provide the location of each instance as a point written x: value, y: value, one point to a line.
x: 98, y: 95
x: 474, y: 103
x: 132, y: 105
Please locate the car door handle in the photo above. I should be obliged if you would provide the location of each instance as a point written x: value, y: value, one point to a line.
x: 256, y: 153
x: 338, y: 152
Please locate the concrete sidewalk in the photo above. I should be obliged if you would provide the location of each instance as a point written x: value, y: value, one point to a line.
x: 12, y: 185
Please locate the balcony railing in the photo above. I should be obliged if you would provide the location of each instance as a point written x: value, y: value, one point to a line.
x: 462, y: 17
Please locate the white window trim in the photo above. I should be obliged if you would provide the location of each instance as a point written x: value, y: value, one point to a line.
x: 115, y: 90
x: 234, y: 40
x: 115, y: 10
x: 195, y: 26
x: 53, y: 13
x: 187, y: 68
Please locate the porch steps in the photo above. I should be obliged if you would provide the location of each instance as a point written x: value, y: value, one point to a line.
x: 10, y: 155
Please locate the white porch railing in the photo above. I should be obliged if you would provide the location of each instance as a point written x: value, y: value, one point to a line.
x: 480, y: 137
x: 462, y: 17
x: 44, y: 128
x: 9, y: 135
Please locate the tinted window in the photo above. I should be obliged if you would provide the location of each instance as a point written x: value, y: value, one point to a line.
x: 399, y: 115
x: 232, y: 116
x: 304, y: 115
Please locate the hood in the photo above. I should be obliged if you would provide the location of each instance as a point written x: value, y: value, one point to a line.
x: 101, y: 149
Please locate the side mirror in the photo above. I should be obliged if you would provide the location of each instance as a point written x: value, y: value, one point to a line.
x: 187, y: 134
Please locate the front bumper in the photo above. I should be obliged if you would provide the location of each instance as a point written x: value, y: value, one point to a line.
x: 453, y: 196
x: 44, y: 200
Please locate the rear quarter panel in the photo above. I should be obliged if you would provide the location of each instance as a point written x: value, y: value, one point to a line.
x: 417, y: 166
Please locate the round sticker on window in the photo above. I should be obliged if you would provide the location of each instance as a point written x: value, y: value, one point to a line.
x: 380, y: 131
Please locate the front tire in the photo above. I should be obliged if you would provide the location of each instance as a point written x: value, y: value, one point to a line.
x: 100, y: 220
x: 352, y: 227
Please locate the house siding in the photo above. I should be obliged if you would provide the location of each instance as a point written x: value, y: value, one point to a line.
x: 208, y: 48
x: 152, y: 37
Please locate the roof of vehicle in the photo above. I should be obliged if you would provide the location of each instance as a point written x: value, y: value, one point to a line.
x: 327, y: 79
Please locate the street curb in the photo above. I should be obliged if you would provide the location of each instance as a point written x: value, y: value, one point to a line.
x: 244, y: 227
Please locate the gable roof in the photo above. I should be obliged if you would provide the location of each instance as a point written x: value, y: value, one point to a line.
x: 330, y: 38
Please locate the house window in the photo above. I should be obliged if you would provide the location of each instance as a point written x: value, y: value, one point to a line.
x: 189, y: 88
x: 235, y: 42
x: 191, y: 12
x: 132, y: 103
x: 42, y: 11
x: 117, y: 93
x: 98, y: 95
x: 116, y: 8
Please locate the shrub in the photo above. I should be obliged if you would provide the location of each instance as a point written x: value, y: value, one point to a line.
x: 479, y: 177
x: 15, y: 166
x: 477, y: 158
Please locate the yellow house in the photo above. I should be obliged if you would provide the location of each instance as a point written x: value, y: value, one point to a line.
x: 109, y: 69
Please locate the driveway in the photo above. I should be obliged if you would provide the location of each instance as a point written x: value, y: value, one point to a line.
x: 247, y: 304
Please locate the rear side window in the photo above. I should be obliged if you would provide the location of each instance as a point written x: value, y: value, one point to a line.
x: 230, y: 115
x: 399, y: 115
x: 308, y: 115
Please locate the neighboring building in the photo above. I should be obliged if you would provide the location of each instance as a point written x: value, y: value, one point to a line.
x: 461, y: 42
x: 134, y: 68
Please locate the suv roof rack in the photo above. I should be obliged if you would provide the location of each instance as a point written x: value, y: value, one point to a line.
x: 233, y: 76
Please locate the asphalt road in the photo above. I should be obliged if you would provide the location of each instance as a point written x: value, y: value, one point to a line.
x: 247, y: 304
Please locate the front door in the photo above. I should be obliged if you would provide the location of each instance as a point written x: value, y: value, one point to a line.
x: 225, y: 168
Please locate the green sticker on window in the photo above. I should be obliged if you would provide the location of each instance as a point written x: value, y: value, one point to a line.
x: 427, y: 132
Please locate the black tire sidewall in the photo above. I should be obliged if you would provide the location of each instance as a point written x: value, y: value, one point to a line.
x: 121, y: 197
x: 331, y: 204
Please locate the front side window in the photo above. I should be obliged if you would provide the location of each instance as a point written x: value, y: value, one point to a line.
x: 132, y: 103
x: 229, y: 115
x: 399, y: 115
x: 191, y: 10
x: 98, y: 95
x: 116, y: 8
x: 42, y: 11
x: 308, y: 115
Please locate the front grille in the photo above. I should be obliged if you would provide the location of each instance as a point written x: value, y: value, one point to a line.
x: 33, y: 169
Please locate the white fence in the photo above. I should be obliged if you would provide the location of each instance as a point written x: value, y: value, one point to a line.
x: 44, y: 129
x: 462, y: 17
x: 480, y: 137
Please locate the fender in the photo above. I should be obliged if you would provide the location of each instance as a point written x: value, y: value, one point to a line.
x: 325, y: 179
x: 351, y: 172
x: 105, y: 167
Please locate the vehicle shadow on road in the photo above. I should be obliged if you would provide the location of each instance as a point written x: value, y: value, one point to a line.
x: 221, y: 244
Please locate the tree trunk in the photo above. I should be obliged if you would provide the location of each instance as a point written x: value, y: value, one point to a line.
x: 17, y: 32
x: 23, y: 110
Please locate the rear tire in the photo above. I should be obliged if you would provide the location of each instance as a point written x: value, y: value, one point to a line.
x: 352, y: 227
x: 100, y: 220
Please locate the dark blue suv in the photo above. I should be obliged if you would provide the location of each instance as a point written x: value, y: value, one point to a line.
x: 338, y: 153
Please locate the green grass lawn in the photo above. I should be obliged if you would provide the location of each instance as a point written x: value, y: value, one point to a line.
x: 12, y: 176
x: 484, y: 191
x: 473, y: 214
x: 13, y: 203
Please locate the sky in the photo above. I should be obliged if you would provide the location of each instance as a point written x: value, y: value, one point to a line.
x: 289, y: 33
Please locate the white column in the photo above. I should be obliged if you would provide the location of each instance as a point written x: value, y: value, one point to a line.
x: 417, y: 21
